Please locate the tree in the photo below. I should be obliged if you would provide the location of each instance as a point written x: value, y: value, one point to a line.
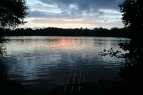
x: 132, y: 13
x: 12, y: 13
x: 132, y: 71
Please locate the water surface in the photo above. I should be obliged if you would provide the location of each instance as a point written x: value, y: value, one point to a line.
x: 41, y: 63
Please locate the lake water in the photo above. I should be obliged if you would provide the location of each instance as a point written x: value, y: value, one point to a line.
x: 41, y: 63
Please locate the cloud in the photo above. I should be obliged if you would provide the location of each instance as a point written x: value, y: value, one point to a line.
x: 86, y: 5
x: 37, y: 14
x: 49, y: 15
x: 72, y: 8
x: 76, y: 12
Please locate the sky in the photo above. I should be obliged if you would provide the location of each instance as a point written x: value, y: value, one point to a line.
x: 73, y: 14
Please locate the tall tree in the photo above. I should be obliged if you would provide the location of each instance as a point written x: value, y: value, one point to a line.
x: 132, y: 71
x: 12, y: 14
x: 132, y: 13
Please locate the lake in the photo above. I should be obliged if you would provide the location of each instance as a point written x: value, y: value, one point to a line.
x: 40, y: 63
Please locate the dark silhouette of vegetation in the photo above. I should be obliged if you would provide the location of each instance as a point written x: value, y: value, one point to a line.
x: 132, y: 12
x: 131, y: 74
x: 12, y: 14
x: 51, y: 31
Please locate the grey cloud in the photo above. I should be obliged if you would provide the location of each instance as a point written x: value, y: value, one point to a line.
x: 91, y: 12
x: 37, y: 14
x: 44, y: 14
x: 81, y: 6
x: 86, y: 5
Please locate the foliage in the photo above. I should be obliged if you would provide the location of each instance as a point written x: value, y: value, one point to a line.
x: 132, y: 12
x: 132, y: 71
x: 12, y: 13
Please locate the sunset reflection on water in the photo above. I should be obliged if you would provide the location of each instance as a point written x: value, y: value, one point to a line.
x: 40, y: 61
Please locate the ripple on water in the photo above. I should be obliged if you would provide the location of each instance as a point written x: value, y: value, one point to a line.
x: 44, y: 62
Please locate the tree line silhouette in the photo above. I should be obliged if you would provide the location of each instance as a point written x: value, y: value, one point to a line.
x: 52, y: 31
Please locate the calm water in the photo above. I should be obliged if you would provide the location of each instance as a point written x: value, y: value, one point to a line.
x: 41, y: 63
